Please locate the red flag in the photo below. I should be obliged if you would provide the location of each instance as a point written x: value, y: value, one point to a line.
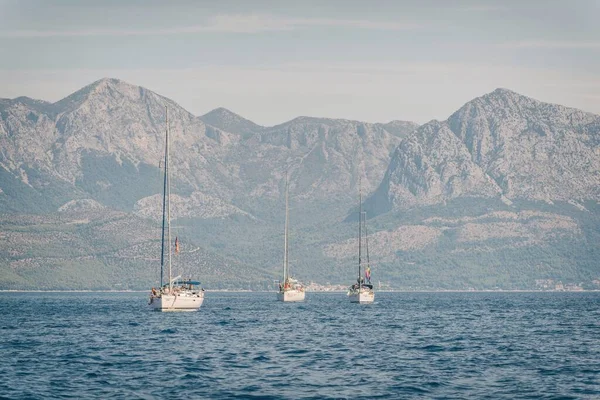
x: 176, y: 245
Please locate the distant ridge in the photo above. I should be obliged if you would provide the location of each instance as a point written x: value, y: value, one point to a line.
x: 105, y: 139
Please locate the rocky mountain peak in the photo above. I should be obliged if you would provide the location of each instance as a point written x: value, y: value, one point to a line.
x: 507, y: 104
x: 502, y: 143
x: 105, y: 90
x: 312, y: 120
x: 229, y: 121
x: 504, y: 92
x: 400, y: 128
x: 222, y: 113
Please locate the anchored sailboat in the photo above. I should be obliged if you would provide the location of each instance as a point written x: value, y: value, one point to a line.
x: 175, y: 294
x: 289, y: 288
x: 362, y: 290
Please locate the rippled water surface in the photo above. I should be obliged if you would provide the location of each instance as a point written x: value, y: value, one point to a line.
x: 248, y: 345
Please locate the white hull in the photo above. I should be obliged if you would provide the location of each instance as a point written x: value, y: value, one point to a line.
x: 362, y: 297
x: 291, y: 295
x: 178, y: 302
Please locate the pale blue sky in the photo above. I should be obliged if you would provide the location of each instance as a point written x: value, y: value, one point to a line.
x: 271, y: 61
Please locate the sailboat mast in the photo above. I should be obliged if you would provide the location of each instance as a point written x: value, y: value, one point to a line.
x: 164, y: 205
x: 168, y: 181
x: 366, y: 237
x: 285, y: 243
x: 359, y: 229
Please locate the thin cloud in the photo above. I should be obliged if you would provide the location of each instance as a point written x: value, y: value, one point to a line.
x: 224, y: 24
x: 550, y: 44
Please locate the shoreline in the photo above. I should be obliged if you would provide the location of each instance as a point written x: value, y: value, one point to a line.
x: 315, y: 291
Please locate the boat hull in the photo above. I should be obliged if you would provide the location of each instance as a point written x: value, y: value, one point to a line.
x: 291, y: 296
x: 365, y: 296
x: 179, y: 302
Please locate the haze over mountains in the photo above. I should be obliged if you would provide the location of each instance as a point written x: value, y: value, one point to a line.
x: 501, y: 194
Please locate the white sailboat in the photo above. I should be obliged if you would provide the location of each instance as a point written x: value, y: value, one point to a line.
x: 290, y: 290
x: 362, y: 291
x: 175, y: 294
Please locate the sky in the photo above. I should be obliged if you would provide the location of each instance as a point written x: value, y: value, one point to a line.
x: 271, y: 61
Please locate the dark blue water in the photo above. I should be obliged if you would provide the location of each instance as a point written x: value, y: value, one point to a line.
x: 247, y: 345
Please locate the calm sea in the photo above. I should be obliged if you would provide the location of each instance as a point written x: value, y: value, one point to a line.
x: 248, y: 345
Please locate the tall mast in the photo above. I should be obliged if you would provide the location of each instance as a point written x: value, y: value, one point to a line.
x: 168, y: 181
x: 164, y: 205
x: 366, y: 237
x: 359, y: 228
x: 285, y: 243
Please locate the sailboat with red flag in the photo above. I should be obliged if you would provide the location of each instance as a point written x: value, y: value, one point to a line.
x: 174, y: 294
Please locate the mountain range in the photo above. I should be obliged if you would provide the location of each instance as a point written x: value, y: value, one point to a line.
x: 504, y: 193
